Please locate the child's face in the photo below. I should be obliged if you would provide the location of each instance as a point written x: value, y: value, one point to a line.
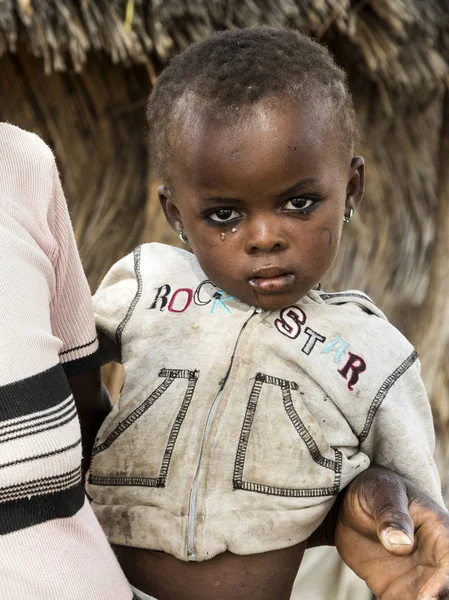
x: 262, y: 202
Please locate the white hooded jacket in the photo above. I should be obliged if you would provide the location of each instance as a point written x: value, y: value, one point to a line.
x: 236, y: 428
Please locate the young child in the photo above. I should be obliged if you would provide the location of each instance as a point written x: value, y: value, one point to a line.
x: 251, y: 397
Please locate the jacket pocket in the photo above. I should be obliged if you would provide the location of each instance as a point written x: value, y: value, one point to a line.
x: 282, y: 450
x: 137, y: 450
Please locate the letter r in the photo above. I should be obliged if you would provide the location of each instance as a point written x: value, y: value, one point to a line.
x: 162, y: 295
x: 357, y: 366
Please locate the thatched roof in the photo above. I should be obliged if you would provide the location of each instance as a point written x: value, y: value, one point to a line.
x: 401, y: 44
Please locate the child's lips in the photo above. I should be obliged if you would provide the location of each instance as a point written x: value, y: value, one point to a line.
x: 272, y: 282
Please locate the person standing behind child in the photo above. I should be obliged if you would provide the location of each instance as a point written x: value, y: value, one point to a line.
x: 251, y: 397
x: 51, y: 545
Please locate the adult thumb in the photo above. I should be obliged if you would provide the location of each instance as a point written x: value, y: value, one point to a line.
x: 386, y: 500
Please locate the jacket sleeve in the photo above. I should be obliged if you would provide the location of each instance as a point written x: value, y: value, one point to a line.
x: 113, y: 304
x: 399, y: 433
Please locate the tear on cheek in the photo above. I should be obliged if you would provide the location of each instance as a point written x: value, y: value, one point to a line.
x: 326, y: 236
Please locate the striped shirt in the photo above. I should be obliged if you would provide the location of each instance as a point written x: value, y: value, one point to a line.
x: 51, y: 546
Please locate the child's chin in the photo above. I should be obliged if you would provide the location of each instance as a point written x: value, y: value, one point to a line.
x: 275, y: 302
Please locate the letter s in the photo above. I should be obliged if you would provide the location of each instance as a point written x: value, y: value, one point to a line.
x: 290, y: 320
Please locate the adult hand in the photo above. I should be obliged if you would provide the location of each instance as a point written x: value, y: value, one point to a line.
x: 395, y: 537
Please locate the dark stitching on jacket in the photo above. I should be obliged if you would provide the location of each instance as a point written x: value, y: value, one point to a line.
x: 383, y: 391
x: 240, y: 484
x: 338, y: 464
x: 124, y: 481
x: 289, y: 492
x: 135, y: 300
x: 246, y: 429
x: 192, y: 378
x: 345, y: 295
x: 282, y: 383
x: 170, y: 375
x: 180, y: 373
x: 134, y: 415
x: 79, y: 347
x: 304, y: 433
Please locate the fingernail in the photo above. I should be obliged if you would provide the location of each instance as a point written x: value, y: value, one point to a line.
x: 398, y: 538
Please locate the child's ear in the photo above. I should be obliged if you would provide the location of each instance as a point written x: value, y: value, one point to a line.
x: 356, y: 183
x: 170, y: 208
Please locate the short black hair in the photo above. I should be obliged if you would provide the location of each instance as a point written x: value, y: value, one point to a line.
x: 231, y: 71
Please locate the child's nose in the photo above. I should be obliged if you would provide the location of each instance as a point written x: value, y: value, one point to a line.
x: 264, y: 235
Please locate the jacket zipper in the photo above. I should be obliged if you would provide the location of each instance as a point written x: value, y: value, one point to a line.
x: 193, y: 497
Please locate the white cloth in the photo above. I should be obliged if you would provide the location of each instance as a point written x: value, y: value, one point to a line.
x: 141, y: 595
x: 324, y: 576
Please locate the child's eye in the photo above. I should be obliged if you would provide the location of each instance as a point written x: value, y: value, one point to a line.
x: 299, y: 204
x: 224, y: 214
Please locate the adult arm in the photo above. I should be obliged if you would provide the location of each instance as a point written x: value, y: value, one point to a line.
x: 392, y: 534
x: 93, y: 404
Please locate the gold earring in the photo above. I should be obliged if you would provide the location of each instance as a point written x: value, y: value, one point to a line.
x: 183, y: 239
x: 347, y: 219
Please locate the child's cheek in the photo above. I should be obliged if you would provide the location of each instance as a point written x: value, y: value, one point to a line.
x: 326, y: 237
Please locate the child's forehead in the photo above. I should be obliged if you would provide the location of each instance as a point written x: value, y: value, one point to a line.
x: 198, y: 129
x: 265, y: 147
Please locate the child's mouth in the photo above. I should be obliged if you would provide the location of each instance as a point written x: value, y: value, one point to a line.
x: 272, y: 283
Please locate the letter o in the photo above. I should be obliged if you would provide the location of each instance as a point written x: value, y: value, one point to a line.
x: 189, y: 293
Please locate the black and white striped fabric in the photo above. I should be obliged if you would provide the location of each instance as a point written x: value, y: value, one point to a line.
x: 40, y: 450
